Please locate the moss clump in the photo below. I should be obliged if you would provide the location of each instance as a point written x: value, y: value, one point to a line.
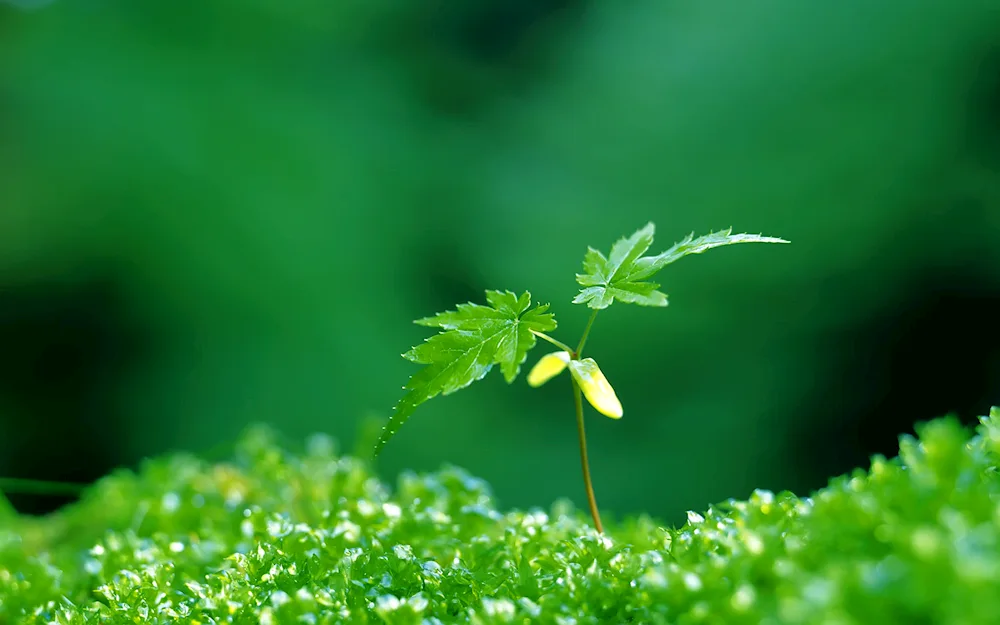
x: 279, y: 537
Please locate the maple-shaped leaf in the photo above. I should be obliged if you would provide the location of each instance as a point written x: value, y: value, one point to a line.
x: 473, y: 339
x: 624, y: 274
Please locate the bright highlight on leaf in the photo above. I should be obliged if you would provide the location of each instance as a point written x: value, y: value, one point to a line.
x: 547, y: 368
x: 588, y: 376
x: 595, y: 387
x: 473, y: 339
x: 623, y: 275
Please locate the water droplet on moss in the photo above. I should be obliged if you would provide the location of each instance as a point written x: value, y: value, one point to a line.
x: 694, y: 518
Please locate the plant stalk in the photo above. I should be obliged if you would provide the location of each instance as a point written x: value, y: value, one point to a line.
x: 586, y: 333
x: 582, y: 432
x: 580, y: 429
x: 588, y: 484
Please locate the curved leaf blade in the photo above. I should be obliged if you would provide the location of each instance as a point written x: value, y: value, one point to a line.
x: 645, y: 267
x: 623, y: 275
x: 548, y: 367
x: 596, y: 387
x: 472, y: 340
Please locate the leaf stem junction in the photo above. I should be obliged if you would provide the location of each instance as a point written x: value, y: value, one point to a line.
x: 557, y: 343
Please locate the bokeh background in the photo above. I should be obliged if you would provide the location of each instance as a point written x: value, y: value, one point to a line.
x: 214, y: 214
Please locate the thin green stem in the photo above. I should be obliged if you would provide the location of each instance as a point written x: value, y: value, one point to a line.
x: 39, y: 487
x: 580, y: 429
x: 587, y: 483
x: 586, y: 333
x: 559, y: 344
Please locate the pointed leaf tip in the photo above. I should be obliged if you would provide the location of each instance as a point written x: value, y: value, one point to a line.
x: 624, y: 274
x: 472, y: 339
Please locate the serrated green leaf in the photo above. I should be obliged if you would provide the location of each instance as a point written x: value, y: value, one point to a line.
x: 624, y: 274
x: 473, y: 339
x: 645, y: 267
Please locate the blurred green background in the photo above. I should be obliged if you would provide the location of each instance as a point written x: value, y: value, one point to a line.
x: 219, y: 213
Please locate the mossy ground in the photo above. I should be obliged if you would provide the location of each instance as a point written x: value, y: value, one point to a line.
x: 274, y: 536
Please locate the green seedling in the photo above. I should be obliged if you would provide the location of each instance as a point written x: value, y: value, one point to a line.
x: 473, y: 338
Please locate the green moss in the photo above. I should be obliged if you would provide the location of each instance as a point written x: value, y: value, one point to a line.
x: 279, y: 537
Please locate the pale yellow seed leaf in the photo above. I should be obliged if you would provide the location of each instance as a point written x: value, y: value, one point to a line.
x: 548, y: 367
x: 596, y: 388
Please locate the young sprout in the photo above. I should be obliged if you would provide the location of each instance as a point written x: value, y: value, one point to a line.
x: 586, y: 374
x: 473, y: 338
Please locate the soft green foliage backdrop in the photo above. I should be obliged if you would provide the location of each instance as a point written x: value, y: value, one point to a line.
x: 284, y: 187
